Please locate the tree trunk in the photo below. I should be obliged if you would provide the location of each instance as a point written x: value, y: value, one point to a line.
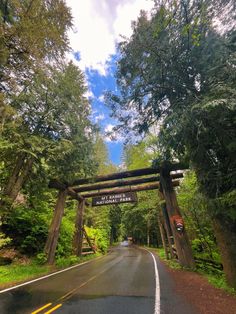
x: 78, y: 235
x: 15, y: 173
x: 53, y: 234
x: 225, y: 231
x: 183, y: 247
x: 18, y: 177
x: 21, y: 179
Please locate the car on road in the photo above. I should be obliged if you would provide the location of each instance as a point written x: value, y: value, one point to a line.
x: 125, y: 243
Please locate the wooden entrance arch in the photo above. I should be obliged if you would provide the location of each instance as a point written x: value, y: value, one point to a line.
x: 162, y: 178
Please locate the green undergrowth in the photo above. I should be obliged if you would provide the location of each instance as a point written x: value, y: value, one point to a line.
x: 214, y: 277
x: 172, y: 263
x: 72, y: 260
x: 219, y: 281
x: 17, y: 273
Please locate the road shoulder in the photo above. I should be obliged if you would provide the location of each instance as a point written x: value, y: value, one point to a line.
x: 198, y: 292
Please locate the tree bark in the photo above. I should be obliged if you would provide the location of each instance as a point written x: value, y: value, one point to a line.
x: 21, y: 179
x: 183, y: 247
x: 78, y: 235
x: 53, y: 234
x: 163, y: 236
x: 225, y: 231
x: 167, y: 226
x: 18, y: 176
x: 15, y: 173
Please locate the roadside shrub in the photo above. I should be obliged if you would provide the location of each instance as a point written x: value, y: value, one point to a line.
x: 101, y: 236
x: 28, y: 228
x: 63, y: 262
x: 40, y: 258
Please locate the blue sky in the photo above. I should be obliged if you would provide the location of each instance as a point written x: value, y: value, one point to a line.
x: 99, y: 84
x: 97, y: 29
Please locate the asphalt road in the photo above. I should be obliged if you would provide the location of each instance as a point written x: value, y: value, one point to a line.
x: 122, y: 282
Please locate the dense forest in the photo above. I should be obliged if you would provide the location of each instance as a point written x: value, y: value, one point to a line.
x: 177, y: 71
x: 176, y: 102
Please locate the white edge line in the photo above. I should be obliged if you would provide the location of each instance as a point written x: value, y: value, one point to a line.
x: 47, y: 276
x: 157, y: 292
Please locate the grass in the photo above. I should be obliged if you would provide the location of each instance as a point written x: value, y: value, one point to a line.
x: 219, y: 281
x: 171, y: 263
x: 17, y: 273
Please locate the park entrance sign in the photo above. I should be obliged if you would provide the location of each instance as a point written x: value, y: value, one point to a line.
x: 121, y: 187
x: 127, y: 197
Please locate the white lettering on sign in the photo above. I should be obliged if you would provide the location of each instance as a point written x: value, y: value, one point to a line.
x: 114, y: 199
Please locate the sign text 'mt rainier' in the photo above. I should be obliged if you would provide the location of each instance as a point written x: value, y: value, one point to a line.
x: 114, y: 199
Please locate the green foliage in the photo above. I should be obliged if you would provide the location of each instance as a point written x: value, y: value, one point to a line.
x: 102, y: 240
x: 40, y: 259
x: 193, y: 100
x: 172, y: 263
x: 195, y: 210
x: 219, y: 281
x: 64, y: 247
x: 45, y: 129
x: 27, y: 227
x: 115, y: 223
x: 4, y: 240
x: 31, y: 33
x: 140, y: 220
x: 101, y: 156
x: 137, y: 156
x: 63, y: 262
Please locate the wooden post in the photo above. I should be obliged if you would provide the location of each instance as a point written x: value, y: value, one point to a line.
x: 78, y: 235
x: 53, y: 234
x: 167, y: 226
x: 183, y: 247
x: 163, y: 235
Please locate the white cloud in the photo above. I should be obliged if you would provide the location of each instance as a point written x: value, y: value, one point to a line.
x: 99, y: 117
x: 110, y: 135
x: 97, y: 26
x: 89, y: 94
x: 101, y: 98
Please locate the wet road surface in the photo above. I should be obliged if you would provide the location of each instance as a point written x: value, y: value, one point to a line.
x: 120, y: 282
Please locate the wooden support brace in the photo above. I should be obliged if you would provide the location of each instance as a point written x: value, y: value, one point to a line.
x: 53, y: 234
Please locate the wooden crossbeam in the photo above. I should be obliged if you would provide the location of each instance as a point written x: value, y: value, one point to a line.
x: 128, y: 174
x: 115, y: 176
x: 61, y: 187
x: 146, y: 187
x: 92, y: 187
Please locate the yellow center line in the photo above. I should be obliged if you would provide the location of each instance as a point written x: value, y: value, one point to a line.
x: 53, y: 309
x: 72, y: 292
x: 42, y: 308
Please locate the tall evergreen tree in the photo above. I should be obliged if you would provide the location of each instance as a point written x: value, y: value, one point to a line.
x: 178, y: 69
